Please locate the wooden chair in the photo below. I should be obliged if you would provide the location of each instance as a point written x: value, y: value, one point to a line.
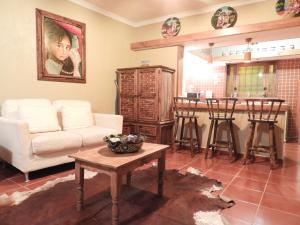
x: 262, y: 111
x: 221, y: 110
x: 184, y: 109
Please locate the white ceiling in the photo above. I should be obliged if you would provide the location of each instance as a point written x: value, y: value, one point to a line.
x: 143, y: 12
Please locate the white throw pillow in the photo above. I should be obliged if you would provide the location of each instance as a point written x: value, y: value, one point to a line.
x: 74, y: 117
x: 39, y: 118
x: 9, y: 108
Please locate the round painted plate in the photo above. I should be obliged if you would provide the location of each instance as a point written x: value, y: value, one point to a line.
x: 280, y: 7
x: 224, y: 17
x: 288, y: 7
x: 293, y: 7
x: 171, y: 27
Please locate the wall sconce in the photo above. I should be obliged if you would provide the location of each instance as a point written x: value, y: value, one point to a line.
x: 210, y: 57
x: 247, y: 53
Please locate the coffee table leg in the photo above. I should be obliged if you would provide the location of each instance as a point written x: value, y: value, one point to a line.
x: 128, y: 180
x: 161, y: 169
x: 79, y: 179
x: 115, y: 185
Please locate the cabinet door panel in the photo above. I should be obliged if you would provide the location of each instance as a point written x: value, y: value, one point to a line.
x: 128, y: 108
x: 127, y: 81
x: 147, y: 130
x: 147, y: 97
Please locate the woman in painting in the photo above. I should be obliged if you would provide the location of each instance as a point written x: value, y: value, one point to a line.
x: 294, y: 7
x: 223, y: 20
x: 62, y: 56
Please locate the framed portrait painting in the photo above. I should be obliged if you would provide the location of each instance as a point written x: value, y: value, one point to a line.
x: 60, y: 48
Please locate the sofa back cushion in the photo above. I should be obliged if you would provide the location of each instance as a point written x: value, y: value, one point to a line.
x: 74, y: 114
x: 39, y: 118
x: 9, y: 108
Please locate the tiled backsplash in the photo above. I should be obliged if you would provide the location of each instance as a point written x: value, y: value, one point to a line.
x: 288, y: 74
x: 213, y: 80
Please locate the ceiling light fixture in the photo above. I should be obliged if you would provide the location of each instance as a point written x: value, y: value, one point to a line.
x: 247, y: 53
x: 210, y: 57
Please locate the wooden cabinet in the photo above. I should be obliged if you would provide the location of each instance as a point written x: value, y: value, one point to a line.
x: 145, y: 100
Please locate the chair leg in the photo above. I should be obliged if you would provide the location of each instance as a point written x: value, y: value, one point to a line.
x: 209, y: 137
x: 181, y: 131
x: 249, y: 142
x: 191, y: 137
x: 197, y: 135
x: 175, y: 133
x: 233, y: 140
x: 274, y: 144
x: 272, y: 149
x: 215, y: 137
x: 229, y: 139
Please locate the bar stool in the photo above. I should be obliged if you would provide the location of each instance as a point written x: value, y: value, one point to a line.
x: 221, y: 109
x: 184, y: 109
x: 262, y: 111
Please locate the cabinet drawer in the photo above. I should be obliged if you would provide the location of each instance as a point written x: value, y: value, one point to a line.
x: 128, y: 129
x: 150, y: 139
x: 147, y: 130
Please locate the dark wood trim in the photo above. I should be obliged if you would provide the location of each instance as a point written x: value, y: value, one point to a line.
x: 164, y: 68
x: 206, y: 35
x: 179, y: 75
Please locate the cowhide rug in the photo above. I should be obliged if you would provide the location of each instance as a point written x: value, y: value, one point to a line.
x: 187, y: 200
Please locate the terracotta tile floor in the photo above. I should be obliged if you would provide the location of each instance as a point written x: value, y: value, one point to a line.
x: 262, y: 196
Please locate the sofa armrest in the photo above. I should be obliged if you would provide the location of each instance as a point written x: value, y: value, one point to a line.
x: 109, y: 121
x: 15, y: 141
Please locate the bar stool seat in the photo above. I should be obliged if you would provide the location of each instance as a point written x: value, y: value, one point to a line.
x: 184, y: 109
x: 221, y: 109
x: 262, y: 111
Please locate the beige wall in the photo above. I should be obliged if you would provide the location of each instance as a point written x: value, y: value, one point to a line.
x: 107, y: 48
x: 248, y: 14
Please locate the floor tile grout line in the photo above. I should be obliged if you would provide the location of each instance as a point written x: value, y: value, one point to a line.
x: 238, y: 219
x: 17, y: 183
x: 283, y: 196
x: 278, y: 210
x: 249, y: 189
x: 236, y: 175
x: 187, y: 164
x: 263, y: 193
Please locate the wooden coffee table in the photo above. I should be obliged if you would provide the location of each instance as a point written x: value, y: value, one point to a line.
x: 117, y: 165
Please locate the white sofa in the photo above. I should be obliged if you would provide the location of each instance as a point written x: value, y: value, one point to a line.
x: 38, y: 133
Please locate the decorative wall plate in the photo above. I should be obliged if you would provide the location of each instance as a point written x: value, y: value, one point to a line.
x: 292, y: 7
x: 170, y: 27
x: 288, y: 7
x: 224, y: 17
x: 280, y: 10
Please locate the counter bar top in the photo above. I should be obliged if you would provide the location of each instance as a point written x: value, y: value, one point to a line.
x: 239, y: 106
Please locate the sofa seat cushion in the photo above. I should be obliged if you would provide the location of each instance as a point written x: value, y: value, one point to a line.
x: 55, y: 142
x: 93, y: 135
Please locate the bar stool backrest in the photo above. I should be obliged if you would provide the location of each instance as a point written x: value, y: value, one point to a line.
x: 264, y: 109
x: 184, y: 106
x: 221, y: 108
